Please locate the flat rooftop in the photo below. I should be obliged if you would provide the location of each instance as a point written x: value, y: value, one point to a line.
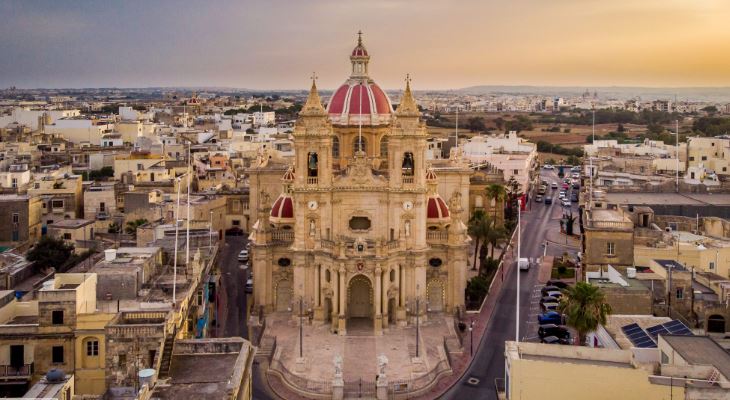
x: 71, y: 223
x: 701, y: 350
x: 608, y: 215
x: 668, y: 199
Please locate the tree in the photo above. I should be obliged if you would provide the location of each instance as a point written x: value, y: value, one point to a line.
x: 569, y: 220
x: 133, y: 225
x: 497, y: 193
x: 710, y: 109
x: 50, y: 252
x: 476, y: 124
x: 585, y: 307
x: 495, y: 236
x: 499, y: 123
x: 621, y: 128
x: 514, y: 192
x: 478, y: 227
x: 519, y: 124
x: 655, y: 128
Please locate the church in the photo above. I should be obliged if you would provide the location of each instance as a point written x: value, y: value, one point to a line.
x: 356, y: 228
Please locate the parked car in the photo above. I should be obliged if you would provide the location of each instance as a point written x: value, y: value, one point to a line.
x: 545, y: 307
x: 549, y: 288
x: 243, y: 256
x: 249, y: 286
x: 566, y: 202
x: 574, y: 197
x: 549, y: 299
x: 554, y: 185
x: 548, y: 200
x: 235, y: 231
x: 565, y: 186
x: 553, y: 330
x: 538, y: 198
x: 548, y: 166
x: 557, y: 284
x: 550, y: 317
x: 554, y: 340
x: 554, y: 293
x: 575, y: 169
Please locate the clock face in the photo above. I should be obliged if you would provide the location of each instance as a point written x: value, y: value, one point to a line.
x: 407, y: 205
x: 312, y: 205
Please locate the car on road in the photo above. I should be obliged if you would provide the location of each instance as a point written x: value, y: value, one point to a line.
x: 558, y: 284
x: 548, y: 166
x: 565, y: 186
x: 554, y: 340
x: 566, y: 202
x: 548, y: 200
x: 249, y: 286
x: 554, y: 185
x: 550, y: 317
x: 575, y: 169
x: 243, y: 256
x: 524, y: 264
x: 561, y: 194
x: 538, y: 198
x: 574, y: 197
x: 553, y: 330
x: 545, y: 307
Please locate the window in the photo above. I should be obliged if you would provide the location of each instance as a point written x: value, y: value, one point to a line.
x: 16, y: 218
x: 384, y: 147
x: 704, y: 158
x: 199, y: 297
x: 57, y: 317
x: 140, y: 167
x: 392, y: 275
x: 611, y: 248
x: 335, y: 147
x: 327, y: 276
x: 680, y: 293
x: 691, y: 158
x: 57, y: 354
x: 360, y: 144
x: 516, y: 171
x: 92, y: 348
x: 665, y: 358
x: 67, y: 236
x: 236, y: 222
x: 102, y: 206
x: 57, y: 204
x: 14, y: 183
x: 312, y: 164
x: 122, y: 360
x: 408, y: 164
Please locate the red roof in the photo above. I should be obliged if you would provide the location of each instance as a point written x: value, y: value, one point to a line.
x: 359, y: 51
x: 436, y: 209
x: 283, y: 208
x: 358, y: 98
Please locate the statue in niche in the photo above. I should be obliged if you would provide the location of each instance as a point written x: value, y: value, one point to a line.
x: 407, y: 228
x: 312, y: 227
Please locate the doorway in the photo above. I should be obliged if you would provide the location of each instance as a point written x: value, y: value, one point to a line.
x: 283, y: 295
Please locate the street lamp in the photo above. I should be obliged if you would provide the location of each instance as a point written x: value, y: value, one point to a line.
x: 210, y: 231
x: 301, y: 327
x: 517, y: 269
x: 471, y: 339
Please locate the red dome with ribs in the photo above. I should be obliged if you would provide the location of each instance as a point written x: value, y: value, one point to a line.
x: 358, y: 98
x: 283, y: 208
x: 436, y: 209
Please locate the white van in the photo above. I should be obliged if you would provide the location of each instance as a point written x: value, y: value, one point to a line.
x: 523, y: 264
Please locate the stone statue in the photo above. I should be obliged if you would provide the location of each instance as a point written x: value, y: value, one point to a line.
x: 408, y: 228
x: 382, y: 363
x: 338, y: 365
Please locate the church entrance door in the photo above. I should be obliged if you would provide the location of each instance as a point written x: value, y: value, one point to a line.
x: 283, y: 295
x: 359, y: 303
x: 436, y: 296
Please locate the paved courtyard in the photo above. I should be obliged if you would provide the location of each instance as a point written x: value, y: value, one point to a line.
x: 360, y: 348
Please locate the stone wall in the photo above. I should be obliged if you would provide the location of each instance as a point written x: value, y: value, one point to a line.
x: 629, y: 302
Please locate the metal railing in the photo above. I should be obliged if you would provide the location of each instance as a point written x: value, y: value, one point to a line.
x: 9, y: 371
x: 437, y: 235
x: 282, y: 235
x: 407, y: 178
x: 312, y: 180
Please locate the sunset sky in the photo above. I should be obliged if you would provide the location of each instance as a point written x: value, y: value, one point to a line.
x: 276, y: 44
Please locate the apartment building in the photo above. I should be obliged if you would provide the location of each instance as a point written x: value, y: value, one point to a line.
x: 61, y: 197
x: 20, y: 219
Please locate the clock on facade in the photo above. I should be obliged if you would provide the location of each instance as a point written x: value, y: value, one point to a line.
x: 312, y: 205
x: 408, y: 205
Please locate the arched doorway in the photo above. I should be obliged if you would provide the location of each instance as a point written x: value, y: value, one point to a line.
x: 391, y: 311
x: 716, y: 324
x: 327, y: 309
x: 435, y: 295
x: 283, y: 295
x: 359, y: 303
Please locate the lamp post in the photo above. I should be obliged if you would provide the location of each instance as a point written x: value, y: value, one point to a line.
x: 418, y: 312
x: 471, y: 339
x: 517, y: 270
x: 210, y: 231
x: 301, y: 327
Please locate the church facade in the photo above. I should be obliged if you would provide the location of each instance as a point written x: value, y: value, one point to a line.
x: 359, y: 230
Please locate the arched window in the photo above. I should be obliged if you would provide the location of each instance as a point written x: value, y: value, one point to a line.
x: 327, y: 275
x: 335, y: 147
x: 359, y: 144
x: 312, y: 164
x: 408, y: 163
x: 384, y: 147
x: 392, y: 275
x: 478, y: 202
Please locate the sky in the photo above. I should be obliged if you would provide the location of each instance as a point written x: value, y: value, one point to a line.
x: 277, y: 44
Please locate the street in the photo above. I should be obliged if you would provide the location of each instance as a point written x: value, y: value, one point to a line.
x: 488, y: 363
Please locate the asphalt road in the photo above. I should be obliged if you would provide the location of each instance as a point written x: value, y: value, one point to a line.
x: 488, y: 363
x: 233, y: 279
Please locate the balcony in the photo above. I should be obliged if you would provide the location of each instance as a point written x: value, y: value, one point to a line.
x: 437, y: 236
x: 8, y: 372
x: 407, y: 179
x: 282, y: 235
x: 312, y: 180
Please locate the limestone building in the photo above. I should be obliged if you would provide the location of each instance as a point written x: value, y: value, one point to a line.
x: 360, y: 231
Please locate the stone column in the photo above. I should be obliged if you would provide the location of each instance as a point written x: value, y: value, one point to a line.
x: 335, y: 312
x: 401, y: 299
x: 377, y: 300
x: 384, y: 298
x: 341, y: 328
x: 318, y: 315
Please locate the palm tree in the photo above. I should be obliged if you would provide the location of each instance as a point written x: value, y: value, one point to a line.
x: 497, y: 193
x: 477, y: 229
x: 585, y: 307
x: 495, y: 236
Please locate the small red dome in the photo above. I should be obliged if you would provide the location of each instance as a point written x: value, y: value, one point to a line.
x: 359, y: 51
x: 283, y: 209
x: 436, y: 209
x: 288, y: 175
x: 430, y: 175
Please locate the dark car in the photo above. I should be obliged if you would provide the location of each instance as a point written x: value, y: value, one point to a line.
x: 549, y: 288
x: 235, y: 231
x: 553, y: 330
x: 548, y: 200
x: 554, y: 340
x: 558, y: 284
x: 549, y: 299
x: 550, y: 317
x: 574, y: 197
x: 545, y: 307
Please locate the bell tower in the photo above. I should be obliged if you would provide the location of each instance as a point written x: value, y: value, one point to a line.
x: 407, y: 144
x: 313, y: 143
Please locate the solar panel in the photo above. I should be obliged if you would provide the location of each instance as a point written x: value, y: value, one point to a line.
x: 676, y: 327
x: 657, y: 330
x: 638, y: 336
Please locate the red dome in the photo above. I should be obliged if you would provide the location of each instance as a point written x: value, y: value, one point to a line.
x: 283, y: 209
x: 436, y: 209
x: 359, y: 102
x: 359, y: 51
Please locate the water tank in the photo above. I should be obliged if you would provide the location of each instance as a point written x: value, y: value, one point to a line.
x: 55, y: 376
x: 110, y: 254
x: 145, y: 376
x: 631, y: 272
